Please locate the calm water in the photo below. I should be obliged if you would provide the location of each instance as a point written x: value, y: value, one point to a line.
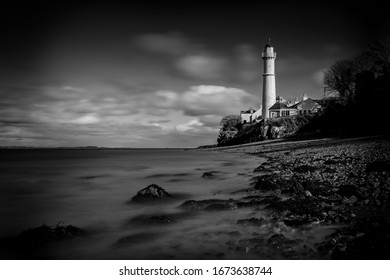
x: 90, y: 189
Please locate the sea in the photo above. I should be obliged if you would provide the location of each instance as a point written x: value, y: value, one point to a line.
x: 92, y: 189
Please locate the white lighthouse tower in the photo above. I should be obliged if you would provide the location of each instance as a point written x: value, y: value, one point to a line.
x: 269, y: 89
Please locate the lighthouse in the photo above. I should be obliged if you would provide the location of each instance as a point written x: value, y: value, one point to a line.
x: 269, y: 89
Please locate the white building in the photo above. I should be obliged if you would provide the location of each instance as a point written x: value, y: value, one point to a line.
x: 269, y: 87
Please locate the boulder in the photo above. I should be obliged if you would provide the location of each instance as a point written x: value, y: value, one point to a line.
x: 227, y: 205
x: 151, y: 193
x: 305, y: 168
x: 207, y: 175
x: 153, y: 220
x: 264, y: 131
x: 266, y: 183
x: 276, y: 132
x: 259, y: 168
x: 251, y: 221
x: 349, y: 190
x: 209, y: 205
x: 35, y: 239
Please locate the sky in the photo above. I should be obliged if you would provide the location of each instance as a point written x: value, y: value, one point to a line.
x: 140, y: 74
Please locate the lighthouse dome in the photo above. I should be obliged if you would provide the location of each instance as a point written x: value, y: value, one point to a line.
x: 268, y: 45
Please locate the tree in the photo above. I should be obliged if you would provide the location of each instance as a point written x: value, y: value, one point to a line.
x: 380, y: 52
x: 230, y: 122
x: 363, y: 87
x: 341, y: 76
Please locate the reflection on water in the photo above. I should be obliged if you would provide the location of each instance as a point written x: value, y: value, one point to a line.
x: 91, y: 189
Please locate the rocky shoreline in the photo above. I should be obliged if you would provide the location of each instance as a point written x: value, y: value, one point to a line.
x: 344, y: 188
x: 322, y: 202
x: 345, y: 184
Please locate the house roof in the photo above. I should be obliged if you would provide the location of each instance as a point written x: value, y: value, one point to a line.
x: 250, y: 111
x: 308, y: 104
x: 278, y: 106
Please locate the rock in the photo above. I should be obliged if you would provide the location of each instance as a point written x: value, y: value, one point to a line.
x: 264, y: 131
x: 213, y: 204
x: 353, y: 199
x: 251, y: 221
x: 305, y: 168
x: 151, y: 193
x: 297, y: 221
x: 296, y: 207
x: 333, y: 161
x: 259, y: 168
x: 276, y: 132
x: 234, y: 233
x: 36, y: 238
x: 207, y: 175
x: 228, y: 205
x: 267, y: 183
x: 349, y: 190
x: 308, y: 194
x: 155, y: 220
x: 292, y: 187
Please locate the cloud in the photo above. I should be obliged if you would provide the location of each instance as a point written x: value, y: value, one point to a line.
x: 188, y: 58
x: 171, y: 43
x: 207, y: 100
x: 248, y: 63
x: 191, y: 125
x: 202, y: 66
x: 67, y: 115
x: 318, y: 76
x: 87, y: 119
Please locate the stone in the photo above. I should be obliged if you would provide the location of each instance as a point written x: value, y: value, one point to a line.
x: 211, y: 204
x: 266, y: 183
x: 349, y: 190
x: 228, y: 205
x: 305, y: 168
x: 35, y: 239
x: 207, y: 175
x: 251, y: 221
x: 353, y: 199
x: 234, y: 233
x: 151, y: 193
x: 308, y: 194
x: 155, y: 220
x: 260, y: 168
x: 297, y: 221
